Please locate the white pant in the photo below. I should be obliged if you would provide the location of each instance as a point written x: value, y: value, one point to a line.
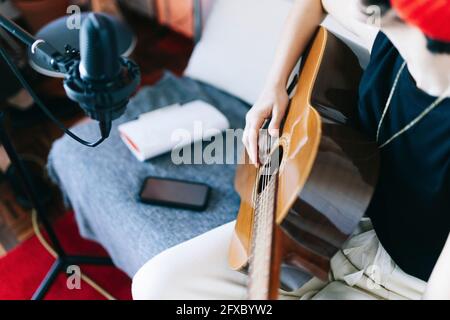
x: 198, y: 270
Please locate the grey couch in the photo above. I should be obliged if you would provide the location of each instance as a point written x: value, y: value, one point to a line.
x: 102, y: 184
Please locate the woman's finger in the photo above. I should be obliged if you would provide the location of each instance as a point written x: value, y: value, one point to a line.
x: 253, y: 136
x: 275, y: 122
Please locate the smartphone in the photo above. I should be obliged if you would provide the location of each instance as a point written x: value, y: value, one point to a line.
x: 175, y: 193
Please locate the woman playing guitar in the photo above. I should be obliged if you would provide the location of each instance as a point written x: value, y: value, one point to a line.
x: 403, y: 251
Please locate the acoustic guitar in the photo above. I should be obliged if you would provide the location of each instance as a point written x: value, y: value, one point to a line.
x: 315, y: 181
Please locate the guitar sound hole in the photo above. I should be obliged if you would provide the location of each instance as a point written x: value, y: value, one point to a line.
x: 270, y: 169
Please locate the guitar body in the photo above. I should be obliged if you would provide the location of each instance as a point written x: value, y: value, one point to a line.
x: 326, y: 173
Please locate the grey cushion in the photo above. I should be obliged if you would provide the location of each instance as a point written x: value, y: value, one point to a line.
x: 102, y: 184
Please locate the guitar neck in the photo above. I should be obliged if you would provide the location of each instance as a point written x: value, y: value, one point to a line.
x: 262, y: 236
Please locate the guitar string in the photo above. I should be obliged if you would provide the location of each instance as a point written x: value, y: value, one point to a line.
x: 261, y: 267
x: 254, y: 267
x: 262, y: 232
x: 269, y: 213
x: 263, y: 226
x: 254, y: 219
x: 254, y: 289
x: 257, y: 207
x: 254, y: 235
x: 260, y: 263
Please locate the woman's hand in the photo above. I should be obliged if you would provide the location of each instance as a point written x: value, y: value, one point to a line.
x: 304, y: 18
x: 272, y: 103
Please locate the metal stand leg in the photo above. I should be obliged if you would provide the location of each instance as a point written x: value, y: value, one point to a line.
x: 49, y: 278
x: 61, y: 265
x: 63, y: 260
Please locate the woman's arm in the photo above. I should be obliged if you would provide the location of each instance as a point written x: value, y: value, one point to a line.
x: 438, y: 287
x: 299, y: 28
x: 305, y: 17
x: 301, y: 24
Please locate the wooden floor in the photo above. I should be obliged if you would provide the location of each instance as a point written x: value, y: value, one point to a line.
x: 158, y: 49
x: 15, y: 222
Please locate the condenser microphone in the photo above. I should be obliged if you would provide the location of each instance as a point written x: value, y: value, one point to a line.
x: 101, y: 81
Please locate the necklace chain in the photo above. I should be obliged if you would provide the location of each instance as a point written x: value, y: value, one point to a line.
x: 413, y: 122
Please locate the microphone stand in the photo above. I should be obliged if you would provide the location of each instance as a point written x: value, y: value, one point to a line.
x: 60, y: 63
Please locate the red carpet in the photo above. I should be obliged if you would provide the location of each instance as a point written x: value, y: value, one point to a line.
x: 22, y: 270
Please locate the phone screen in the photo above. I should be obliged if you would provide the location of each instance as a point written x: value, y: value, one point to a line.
x: 175, y: 193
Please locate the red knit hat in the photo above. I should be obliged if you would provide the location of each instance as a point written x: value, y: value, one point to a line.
x: 430, y: 16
